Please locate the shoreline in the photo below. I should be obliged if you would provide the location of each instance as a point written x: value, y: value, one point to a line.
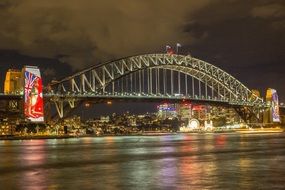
x: 38, y: 137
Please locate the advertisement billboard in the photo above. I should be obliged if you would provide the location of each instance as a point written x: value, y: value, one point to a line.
x: 33, y: 94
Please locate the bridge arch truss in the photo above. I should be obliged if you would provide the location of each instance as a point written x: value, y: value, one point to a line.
x: 154, y: 76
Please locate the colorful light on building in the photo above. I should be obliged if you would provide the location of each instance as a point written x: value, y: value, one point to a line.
x: 33, y: 94
x: 193, y: 124
x: 184, y: 110
x: 166, y: 110
x: 272, y: 98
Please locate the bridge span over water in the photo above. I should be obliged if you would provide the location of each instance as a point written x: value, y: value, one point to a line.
x: 152, y: 77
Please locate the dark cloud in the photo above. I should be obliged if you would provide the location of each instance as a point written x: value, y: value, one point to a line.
x: 85, y: 32
x: 273, y: 13
x: 49, y: 72
x: 269, y: 11
x: 248, y: 46
x: 242, y: 37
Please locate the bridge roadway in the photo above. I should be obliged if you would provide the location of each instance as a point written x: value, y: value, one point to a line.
x: 97, y: 98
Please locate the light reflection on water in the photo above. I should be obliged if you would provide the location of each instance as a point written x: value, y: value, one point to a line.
x: 183, y: 161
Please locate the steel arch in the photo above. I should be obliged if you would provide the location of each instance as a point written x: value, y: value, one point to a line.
x: 98, y: 77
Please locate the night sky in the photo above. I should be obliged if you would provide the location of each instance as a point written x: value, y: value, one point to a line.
x: 244, y: 38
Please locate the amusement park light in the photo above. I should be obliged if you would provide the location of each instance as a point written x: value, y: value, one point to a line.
x: 193, y: 124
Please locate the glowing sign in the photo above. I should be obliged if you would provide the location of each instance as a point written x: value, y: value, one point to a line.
x: 33, y: 94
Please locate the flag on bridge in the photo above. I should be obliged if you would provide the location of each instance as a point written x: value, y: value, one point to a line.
x: 178, y: 45
x: 169, y: 50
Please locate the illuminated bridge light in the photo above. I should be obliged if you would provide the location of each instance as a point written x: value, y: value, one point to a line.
x: 150, y: 77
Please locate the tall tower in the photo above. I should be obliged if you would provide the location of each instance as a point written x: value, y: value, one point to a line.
x: 272, y: 113
x: 12, y: 83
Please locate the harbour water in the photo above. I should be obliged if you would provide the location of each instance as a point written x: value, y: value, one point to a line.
x: 181, y: 161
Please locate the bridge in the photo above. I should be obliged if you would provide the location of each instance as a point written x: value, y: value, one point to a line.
x: 153, y: 77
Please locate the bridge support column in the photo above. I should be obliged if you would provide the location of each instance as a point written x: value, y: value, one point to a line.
x: 71, y: 103
x: 59, y: 108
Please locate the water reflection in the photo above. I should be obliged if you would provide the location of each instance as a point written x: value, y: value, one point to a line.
x: 168, y: 166
x: 195, y: 161
x: 245, y: 171
x: 220, y: 140
x: 33, y: 157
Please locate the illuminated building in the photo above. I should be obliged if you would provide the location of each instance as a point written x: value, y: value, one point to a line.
x: 104, y: 119
x: 272, y: 113
x: 193, y: 124
x: 33, y: 94
x: 72, y: 123
x: 199, y: 112
x: 12, y: 83
x: 5, y: 130
x: 6, y: 127
x: 184, y: 110
x: 208, y: 125
x: 166, y: 110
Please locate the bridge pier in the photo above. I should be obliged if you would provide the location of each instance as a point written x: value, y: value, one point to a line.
x: 63, y: 106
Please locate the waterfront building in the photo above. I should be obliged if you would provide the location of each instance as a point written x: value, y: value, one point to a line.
x: 166, y: 110
x: 184, y: 111
x: 5, y: 130
x: 104, y: 119
x: 271, y: 114
x: 199, y: 112
x: 6, y: 127
x: 72, y: 123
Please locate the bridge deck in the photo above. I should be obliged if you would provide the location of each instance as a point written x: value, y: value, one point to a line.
x: 132, y: 97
